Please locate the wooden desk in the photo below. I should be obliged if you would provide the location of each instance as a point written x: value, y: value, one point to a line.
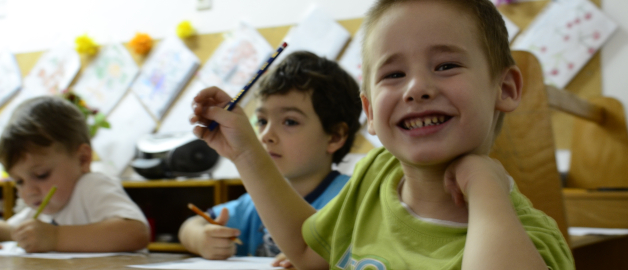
x: 103, y: 263
x: 597, y: 209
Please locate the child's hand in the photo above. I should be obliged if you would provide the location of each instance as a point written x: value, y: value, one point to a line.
x: 282, y: 260
x: 36, y: 236
x: 217, y: 241
x: 471, y: 170
x: 235, y: 134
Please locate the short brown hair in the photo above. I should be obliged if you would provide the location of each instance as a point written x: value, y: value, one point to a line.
x: 40, y: 122
x: 335, y: 94
x: 491, y: 27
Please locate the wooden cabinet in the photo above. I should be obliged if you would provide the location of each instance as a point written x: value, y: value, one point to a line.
x: 164, y: 202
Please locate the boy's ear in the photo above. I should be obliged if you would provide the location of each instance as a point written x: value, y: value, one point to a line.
x: 85, y: 157
x: 368, y: 110
x: 338, y: 138
x: 511, y: 87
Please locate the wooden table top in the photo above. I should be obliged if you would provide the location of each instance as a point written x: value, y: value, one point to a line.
x: 102, y: 263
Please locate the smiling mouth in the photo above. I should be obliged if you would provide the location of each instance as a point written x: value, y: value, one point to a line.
x: 425, y: 121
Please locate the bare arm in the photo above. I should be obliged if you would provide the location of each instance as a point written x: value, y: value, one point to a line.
x: 495, y: 238
x: 111, y: 235
x: 281, y: 208
x: 5, y: 231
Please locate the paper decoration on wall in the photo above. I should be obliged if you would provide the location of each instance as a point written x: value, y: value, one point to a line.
x: 317, y: 33
x: 116, y: 146
x: 236, y: 60
x: 165, y: 72
x: 351, y: 60
x: 10, y: 76
x: 54, y: 71
x: 511, y: 27
x: 177, y: 118
x: 564, y: 36
x: 103, y: 83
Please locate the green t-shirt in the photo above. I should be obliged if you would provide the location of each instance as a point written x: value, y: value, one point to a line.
x: 367, y: 227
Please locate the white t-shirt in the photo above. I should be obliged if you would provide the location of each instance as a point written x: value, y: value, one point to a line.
x: 96, y: 197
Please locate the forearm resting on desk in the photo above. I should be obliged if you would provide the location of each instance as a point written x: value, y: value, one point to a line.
x: 111, y: 235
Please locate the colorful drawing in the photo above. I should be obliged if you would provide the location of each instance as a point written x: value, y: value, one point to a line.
x: 106, y: 79
x: 10, y: 76
x: 54, y: 71
x: 165, y: 73
x: 564, y: 37
x: 236, y: 60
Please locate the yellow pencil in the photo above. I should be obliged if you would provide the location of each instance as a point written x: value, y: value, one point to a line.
x: 45, y: 202
x: 210, y: 220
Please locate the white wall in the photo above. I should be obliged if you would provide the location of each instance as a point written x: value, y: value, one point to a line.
x: 615, y: 54
x: 35, y: 25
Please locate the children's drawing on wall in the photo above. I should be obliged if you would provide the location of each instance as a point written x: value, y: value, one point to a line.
x: 54, y: 71
x: 564, y: 36
x: 10, y: 76
x: 106, y: 79
x: 165, y: 72
x: 236, y: 60
x: 317, y: 33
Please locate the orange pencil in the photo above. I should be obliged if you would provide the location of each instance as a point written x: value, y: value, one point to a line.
x: 210, y: 220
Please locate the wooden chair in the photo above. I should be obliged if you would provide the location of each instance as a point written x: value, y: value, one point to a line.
x: 526, y: 147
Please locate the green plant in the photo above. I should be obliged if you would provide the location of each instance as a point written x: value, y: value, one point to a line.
x: 94, y: 118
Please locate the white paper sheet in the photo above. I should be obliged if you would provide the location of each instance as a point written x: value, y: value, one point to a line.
x: 54, y: 71
x: 317, y: 33
x: 351, y: 59
x: 11, y: 249
x: 200, y: 263
x: 564, y: 36
x: 596, y: 231
x: 10, y: 76
x: 236, y: 60
x: 129, y: 121
x: 103, y: 83
x: 164, y: 74
x: 177, y: 118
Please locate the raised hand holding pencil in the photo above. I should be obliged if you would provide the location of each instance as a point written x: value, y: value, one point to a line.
x: 246, y: 88
x: 210, y: 220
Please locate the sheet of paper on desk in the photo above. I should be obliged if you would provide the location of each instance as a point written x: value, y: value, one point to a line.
x: 200, y: 263
x: 11, y: 249
x: 164, y: 74
x: 317, y: 33
x: 564, y: 36
x: 116, y: 145
x: 236, y: 60
x: 103, y: 83
x: 596, y: 231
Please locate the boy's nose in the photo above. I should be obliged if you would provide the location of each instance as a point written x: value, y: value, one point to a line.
x: 419, y: 89
x: 268, y: 135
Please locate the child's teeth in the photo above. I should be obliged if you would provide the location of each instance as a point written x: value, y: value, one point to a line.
x: 434, y: 119
x: 441, y: 118
x: 428, y: 121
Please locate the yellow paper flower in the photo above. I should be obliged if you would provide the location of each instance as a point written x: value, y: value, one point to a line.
x: 141, y: 43
x: 185, y: 29
x: 86, y: 45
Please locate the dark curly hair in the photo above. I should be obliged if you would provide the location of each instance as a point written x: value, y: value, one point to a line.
x: 335, y: 94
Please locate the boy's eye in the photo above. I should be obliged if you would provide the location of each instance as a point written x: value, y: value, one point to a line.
x: 261, y: 122
x: 395, y: 75
x: 42, y: 176
x: 290, y: 122
x: 446, y: 66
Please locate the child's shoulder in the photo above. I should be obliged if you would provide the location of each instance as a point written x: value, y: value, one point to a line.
x: 378, y: 165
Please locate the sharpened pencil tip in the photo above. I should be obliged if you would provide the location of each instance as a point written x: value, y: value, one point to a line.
x: 191, y: 206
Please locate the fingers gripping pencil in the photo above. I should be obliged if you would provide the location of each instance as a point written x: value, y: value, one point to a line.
x: 246, y: 88
x: 210, y: 220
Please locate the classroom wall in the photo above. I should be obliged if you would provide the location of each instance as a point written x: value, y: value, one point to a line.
x: 35, y: 25
x: 615, y: 54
